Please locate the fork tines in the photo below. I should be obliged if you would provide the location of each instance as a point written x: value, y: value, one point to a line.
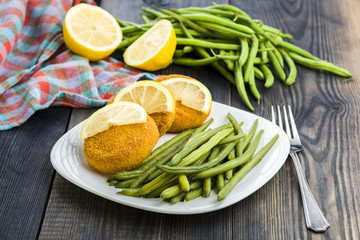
x: 292, y: 133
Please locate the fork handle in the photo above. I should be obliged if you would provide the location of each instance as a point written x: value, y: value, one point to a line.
x: 314, y: 217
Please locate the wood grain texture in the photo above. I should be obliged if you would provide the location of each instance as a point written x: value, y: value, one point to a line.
x: 26, y: 172
x: 326, y: 112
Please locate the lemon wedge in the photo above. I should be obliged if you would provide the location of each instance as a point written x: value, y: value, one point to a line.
x: 154, y: 50
x: 152, y: 96
x: 190, y: 92
x: 91, y: 32
x: 121, y: 113
x: 155, y: 98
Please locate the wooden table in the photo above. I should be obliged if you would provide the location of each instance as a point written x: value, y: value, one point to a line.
x: 37, y: 203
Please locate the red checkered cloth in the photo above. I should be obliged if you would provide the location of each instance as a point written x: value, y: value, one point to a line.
x: 38, y: 71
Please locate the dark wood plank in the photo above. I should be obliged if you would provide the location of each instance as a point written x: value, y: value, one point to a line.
x: 326, y: 112
x: 26, y: 172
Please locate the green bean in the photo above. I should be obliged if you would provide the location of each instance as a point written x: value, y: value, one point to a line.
x: 213, y: 141
x: 269, y: 77
x: 276, y: 31
x: 166, y: 147
x: 193, y: 194
x: 154, y: 175
x: 244, y: 51
x: 154, y: 184
x: 123, y: 23
x: 179, y: 32
x: 253, y: 89
x: 240, y: 85
x: 230, y: 64
x: 234, y: 123
x: 127, y: 174
x: 231, y: 15
x: 202, y: 159
x: 264, y: 55
x: 250, y: 61
x: 232, y: 138
x: 258, y: 60
x: 206, y: 187
x: 250, y: 135
x: 153, y: 12
x: 195, y: 62
x: 184, y: 182
x: 276, y: 53
x: 125, y: 183
x: 128, y: 41
x: 231, y: 9
x: 292, y: 67
x: 238, y: 130
x: 231, y: 154
x: 199, y: 141
x: 178, y: 198
x: 246, y: 168
x: 206, y: 44
x: 229, y: 173
x: 220, y: 40
x: 180, y: 52
x: 320, y: 64
x: 214, y: 152
x: 188, y: 22
x: 194, y: 169
x: 133, y: 192
x: 220, y: 181
x: 134, y: 28
x: 157, y: 192
x: 171, y: 191
x: 215, y: 65
x: 233, y: 163
x: 201, y: 62
x: 223, y: 29
x: 145, y: 18
x: 293, y: 48
x: 277, y: 66
x: 113, y: 182
x: 163, y: 158
x: 218, y: 20
x: 262, y: 33
x: 258, y: 73
x: 200, y: 129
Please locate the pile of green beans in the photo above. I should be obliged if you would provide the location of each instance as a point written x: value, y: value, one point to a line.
x: 240, y: 48
x: 195, y: 162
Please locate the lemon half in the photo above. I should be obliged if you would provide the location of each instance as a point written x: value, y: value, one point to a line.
x: 91, y: 32
x: 154, y: 50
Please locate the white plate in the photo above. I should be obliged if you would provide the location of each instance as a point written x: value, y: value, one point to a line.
x: 68, y: 159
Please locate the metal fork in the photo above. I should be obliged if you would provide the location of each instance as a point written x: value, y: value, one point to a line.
x: 314, y: 217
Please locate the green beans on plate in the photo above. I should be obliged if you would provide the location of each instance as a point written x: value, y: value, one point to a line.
x: 196, y: 163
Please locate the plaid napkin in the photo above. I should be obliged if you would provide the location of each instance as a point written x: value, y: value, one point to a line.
x: 37, y: 70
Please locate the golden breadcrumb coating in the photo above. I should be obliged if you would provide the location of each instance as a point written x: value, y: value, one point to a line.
x: 186, y: 118
x: 122, y: 147
x: 163, y: 120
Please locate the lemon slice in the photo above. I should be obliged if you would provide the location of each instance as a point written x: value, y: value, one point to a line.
x: 154, y: 50
x: 121, y: 113
x: 152, y: 96
x: 91, y: 32
x: 190, y: 92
